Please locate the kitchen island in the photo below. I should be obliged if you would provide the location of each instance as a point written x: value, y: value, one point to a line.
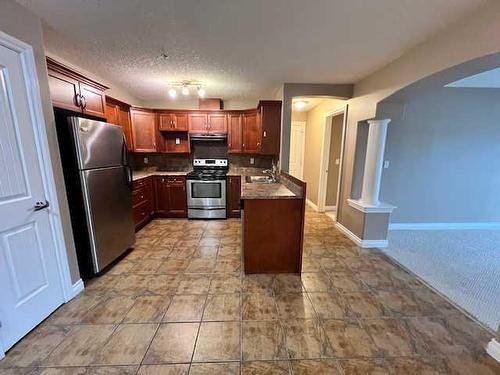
x: 273, y: 225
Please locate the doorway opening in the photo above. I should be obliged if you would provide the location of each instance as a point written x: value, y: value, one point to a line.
x: 316, y: 149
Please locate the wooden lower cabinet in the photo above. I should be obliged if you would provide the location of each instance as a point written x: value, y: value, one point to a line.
x: 171, y: 200
x: 233, y: 190
x: 272, y: 235
x: 142, y: 201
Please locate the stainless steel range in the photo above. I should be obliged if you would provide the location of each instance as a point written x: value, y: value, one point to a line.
x: 206, y: 189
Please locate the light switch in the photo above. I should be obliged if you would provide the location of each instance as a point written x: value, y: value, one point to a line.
x: 146, y: 160
x: 386, y: 164
x: 337, y: 161
x: 177, y: 141
x: 252, y: 161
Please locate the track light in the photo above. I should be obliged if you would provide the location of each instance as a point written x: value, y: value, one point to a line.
x: 201, y: 92
x: 185, y: 90
x: 172, y: 92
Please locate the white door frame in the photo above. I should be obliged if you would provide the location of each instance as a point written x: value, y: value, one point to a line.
x: 325, y: 156
x: 25, y: 52
x: 303, y: 124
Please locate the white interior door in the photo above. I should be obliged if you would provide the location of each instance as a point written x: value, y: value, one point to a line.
x: 30, y: 285
x: 297, y: 141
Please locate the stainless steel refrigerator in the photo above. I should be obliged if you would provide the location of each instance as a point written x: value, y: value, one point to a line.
x: 99, y: 191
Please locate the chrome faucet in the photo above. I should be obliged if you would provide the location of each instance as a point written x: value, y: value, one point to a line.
x: 273, y: 173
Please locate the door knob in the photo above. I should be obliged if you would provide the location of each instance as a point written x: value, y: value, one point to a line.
x: 41, y: 205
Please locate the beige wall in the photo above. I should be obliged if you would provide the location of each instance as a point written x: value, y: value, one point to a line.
x: 315, y: 127
x: 299, y: 116
x: 334, y: 169
x: 473, y: 37
x: 20, y: 23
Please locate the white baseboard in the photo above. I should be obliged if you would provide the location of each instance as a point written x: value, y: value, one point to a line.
x: 358, y: 241
x: 76, y: 289
x: 493, y: 349
x: 443, y: 226
x: 311, y: 204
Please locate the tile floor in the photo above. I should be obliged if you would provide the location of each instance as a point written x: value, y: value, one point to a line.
x: 179, y: 303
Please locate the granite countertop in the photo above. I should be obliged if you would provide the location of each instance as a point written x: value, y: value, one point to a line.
x: 266, y: 191
x: 137, y: 175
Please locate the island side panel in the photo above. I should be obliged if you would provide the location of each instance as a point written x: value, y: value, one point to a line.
x: 272, y: 235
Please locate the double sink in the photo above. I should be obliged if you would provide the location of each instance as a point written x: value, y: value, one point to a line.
x: 260, y: 180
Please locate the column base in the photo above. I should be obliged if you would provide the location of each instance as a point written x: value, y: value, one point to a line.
x: 381, y: 208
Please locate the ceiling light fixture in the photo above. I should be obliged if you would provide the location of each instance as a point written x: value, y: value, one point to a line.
x: 300, y: 104
x: 185, y: 87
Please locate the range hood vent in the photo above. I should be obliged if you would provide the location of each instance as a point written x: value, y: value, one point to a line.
x: 208, y: 137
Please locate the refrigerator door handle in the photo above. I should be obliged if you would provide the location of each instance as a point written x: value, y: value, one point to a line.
x: 125, y: 162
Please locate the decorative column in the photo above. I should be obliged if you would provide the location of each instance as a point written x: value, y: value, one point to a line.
x: 377, y: 133
x: 376, y: 214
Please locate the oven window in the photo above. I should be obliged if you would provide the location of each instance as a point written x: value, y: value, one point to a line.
x: 206, y: 190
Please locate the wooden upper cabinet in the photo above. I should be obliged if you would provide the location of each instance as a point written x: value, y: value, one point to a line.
x: 173, y: 121
x: 197, y: 123
x: 143, y: 124
x: 251, y: 132
x: 217, y: 123
x: 235, y: 133
x: 180, y: 121
x: 112, y: 116
x: 270, y: 119
x: 165, y: 122
x: 72, y: 90
x: 118, y: 113
x: 93, y: 100
x: 63, y: 91
x: 124, y: 122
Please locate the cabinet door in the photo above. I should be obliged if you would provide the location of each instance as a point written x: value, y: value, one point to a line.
x: 143, y: 126
x: 63, y: 91
x: 161, y: 196
x: 251, y: 133
x: 234, y: 196
x: 180, y: 121
x: 93, y: 100
x: 235, y: 133
x: 270, y: 116
x: 177, y: 197
x: 197, y: 123
x: 112, y: 116
x: 165, y: 122
x: 124, y: 121
x: 217, y: 123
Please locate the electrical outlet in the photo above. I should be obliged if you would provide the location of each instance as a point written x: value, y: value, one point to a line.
x: 146, y: 160
x: 252, y: 161
x: 337, y: 161
x: 177, y: 141
x: 386, y: 164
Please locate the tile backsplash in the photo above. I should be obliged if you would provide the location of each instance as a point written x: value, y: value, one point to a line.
x: 171, y: 162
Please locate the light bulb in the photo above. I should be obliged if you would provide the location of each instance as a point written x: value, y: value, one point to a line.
x: 185, y: 90
x: 201, y: 92
x: 300, y: 104
x: 172, y: 93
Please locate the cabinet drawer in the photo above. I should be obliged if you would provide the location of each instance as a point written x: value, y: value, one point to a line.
x: 143, y: 194
x: 143, y: 183
x: 142, y: 213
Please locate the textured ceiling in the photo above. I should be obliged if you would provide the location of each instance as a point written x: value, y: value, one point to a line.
x: 241, y: 49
